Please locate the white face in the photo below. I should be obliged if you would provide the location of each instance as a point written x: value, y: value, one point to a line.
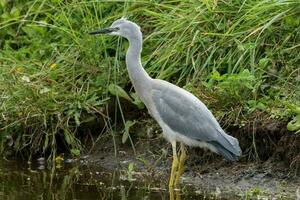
x: 122, y: 27
x: 125, y: 28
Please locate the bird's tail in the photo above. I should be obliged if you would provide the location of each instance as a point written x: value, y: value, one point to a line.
x: 229, y: 147
x: 228, y: 155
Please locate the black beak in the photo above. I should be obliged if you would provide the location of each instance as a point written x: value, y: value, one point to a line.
x: 104, y: 31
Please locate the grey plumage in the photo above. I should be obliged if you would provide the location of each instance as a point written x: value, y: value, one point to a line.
x: 182, y: 116
x: 183, y: 113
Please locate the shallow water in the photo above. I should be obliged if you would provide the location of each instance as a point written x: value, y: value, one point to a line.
x: 19, y: 180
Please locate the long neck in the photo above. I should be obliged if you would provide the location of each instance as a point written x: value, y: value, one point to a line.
x: 138, y: 76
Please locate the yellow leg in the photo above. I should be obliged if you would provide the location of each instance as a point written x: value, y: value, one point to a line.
x: 181, y: 166
x: 174, y: 166
x: 171, y: 193
x: 178, y: 195
x: 172, y: 197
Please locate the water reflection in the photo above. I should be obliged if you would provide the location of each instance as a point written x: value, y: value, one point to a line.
x: 21, y: 181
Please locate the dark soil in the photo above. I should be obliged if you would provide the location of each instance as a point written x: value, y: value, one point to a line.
x: 275, y: 174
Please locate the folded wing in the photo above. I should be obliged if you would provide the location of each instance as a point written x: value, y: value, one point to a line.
x: 183, y: 113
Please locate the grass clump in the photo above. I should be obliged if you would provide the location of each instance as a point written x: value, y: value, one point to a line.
x: 242, y: 55
x: 54, y: 78
x: 51, y: 79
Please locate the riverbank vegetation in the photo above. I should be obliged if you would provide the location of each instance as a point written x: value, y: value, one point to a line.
x: 241, y: 58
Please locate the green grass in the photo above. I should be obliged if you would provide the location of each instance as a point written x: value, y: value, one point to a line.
x: 239, y: 57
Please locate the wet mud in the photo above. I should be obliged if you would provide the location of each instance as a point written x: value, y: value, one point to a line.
x: 116, y: 170
x: 206, y: 174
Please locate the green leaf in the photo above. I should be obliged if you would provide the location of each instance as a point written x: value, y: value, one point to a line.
x: 67, y: 137
x: 3, y: 3
x: 46, y: 142
x: 137, y: 101
x: 76, y: 117
x: 125, y: 136
x: 294, y: 125
x: 292, y: 21
x: 262, y: 63
x: 216, y: 76
x: 130, y: 167
x: 56, y: 1
x: 75, y: 152
x: 261, y: 106
x: 44, y: 90
x: 118, y: 91
x: 15, y: 12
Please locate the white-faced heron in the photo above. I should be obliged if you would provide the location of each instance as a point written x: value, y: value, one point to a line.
x: 182, y: 117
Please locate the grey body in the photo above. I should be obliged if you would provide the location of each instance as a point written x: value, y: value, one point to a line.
x: 182, y: 116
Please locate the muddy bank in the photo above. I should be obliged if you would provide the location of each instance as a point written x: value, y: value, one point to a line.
x: 144, y: 175
x: 210, y: 174
x: 268, y: 169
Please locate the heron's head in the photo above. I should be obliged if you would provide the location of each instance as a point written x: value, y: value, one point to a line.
x: 121, y: 27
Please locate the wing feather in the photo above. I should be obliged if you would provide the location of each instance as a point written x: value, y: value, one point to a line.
x: 185, y: 114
